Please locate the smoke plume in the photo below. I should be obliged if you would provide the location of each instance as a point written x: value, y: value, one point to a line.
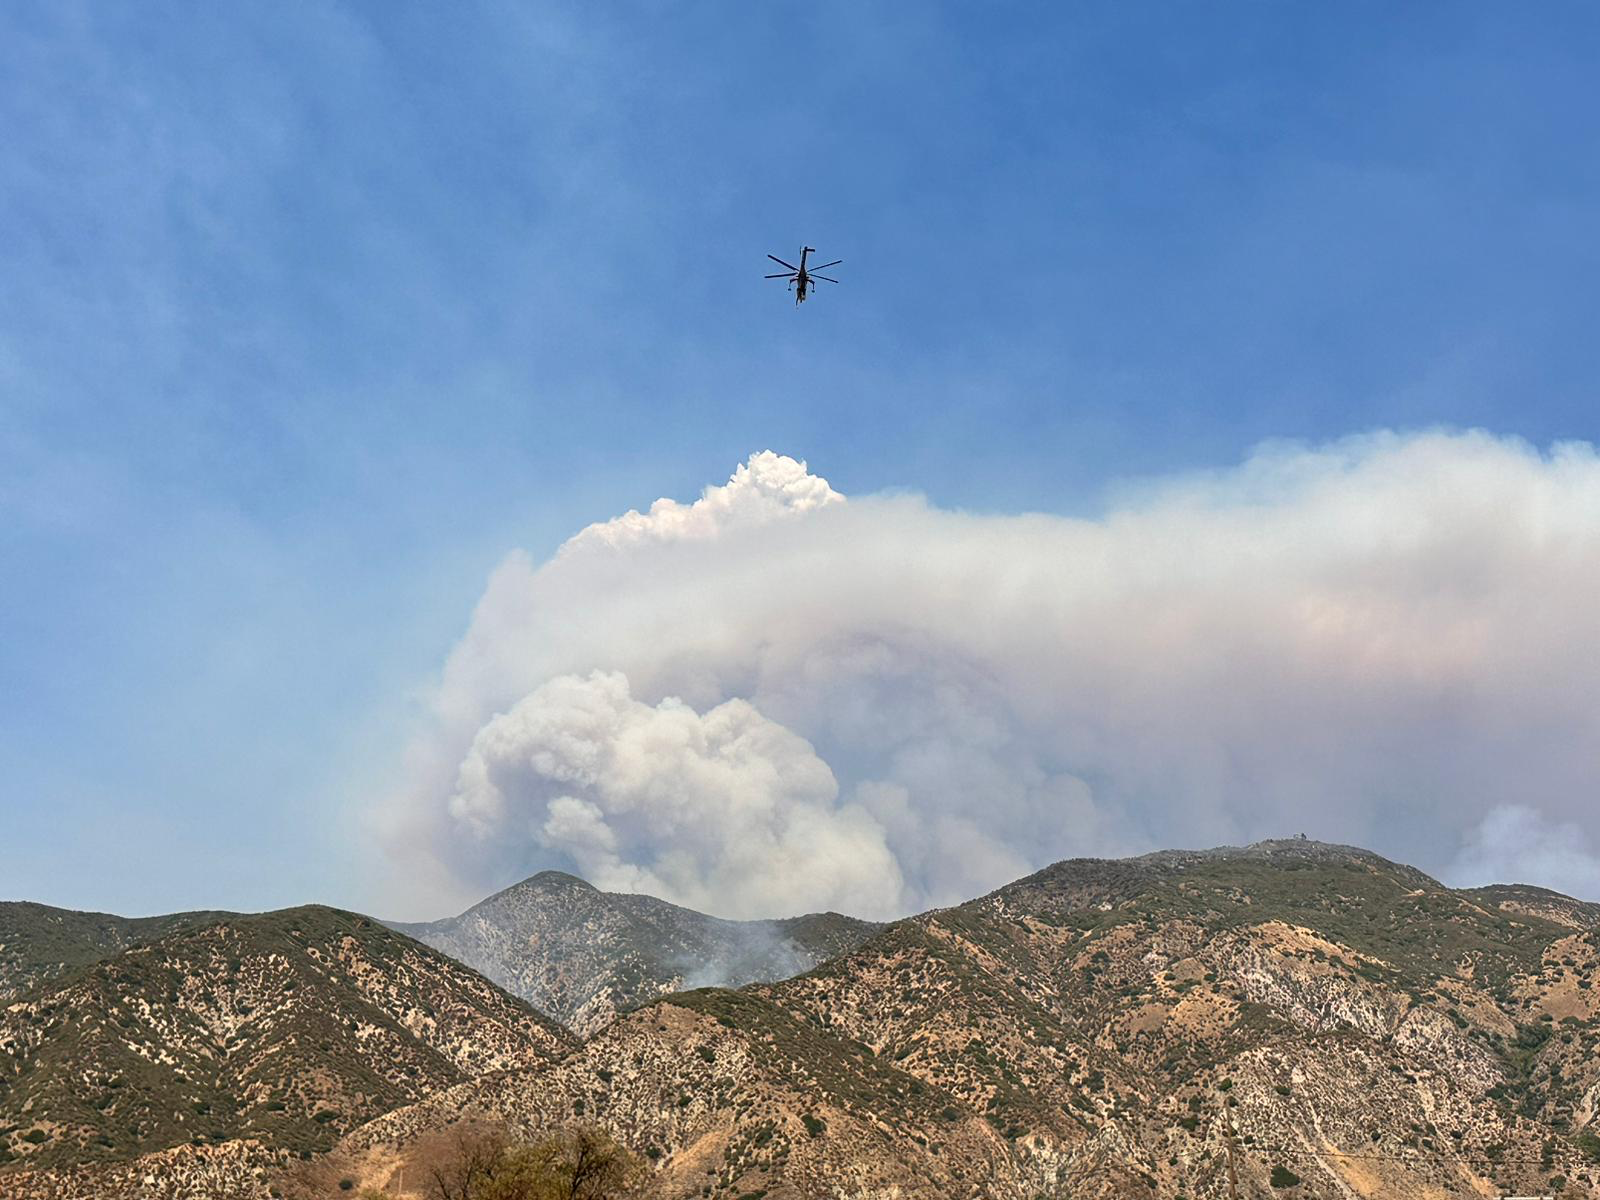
x: 776, y: 699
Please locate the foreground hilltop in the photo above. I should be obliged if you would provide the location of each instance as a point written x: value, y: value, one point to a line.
x: 583, y: 955
x: 1305, y: 1020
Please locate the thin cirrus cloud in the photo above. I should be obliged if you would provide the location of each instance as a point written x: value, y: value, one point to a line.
x: 776, y: 699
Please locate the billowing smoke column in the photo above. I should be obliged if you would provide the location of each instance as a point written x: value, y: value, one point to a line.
x: 724, y: 810
x: 774, y: 699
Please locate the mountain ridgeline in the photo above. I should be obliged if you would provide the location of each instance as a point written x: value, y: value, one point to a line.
x: 583, y: 955
x: 1289, y: 1019
x: 38, y: 942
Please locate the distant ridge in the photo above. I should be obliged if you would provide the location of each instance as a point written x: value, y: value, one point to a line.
x: 583, y: 955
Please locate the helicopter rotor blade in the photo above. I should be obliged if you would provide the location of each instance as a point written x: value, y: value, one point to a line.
x: 816, y: 276
x: 825, y: 266
x: 780, y: 262
x: 780, y: 275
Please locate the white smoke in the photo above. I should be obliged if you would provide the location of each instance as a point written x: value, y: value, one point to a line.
x: 767, y: 487
x: 1379, y: 641
x: 725, y: 811
x: 1517, y: 844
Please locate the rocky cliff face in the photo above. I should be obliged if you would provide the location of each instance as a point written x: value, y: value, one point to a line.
x: 583, y: 955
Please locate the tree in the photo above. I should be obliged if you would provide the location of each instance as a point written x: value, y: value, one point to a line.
x: 590, y: 1166
x: 574, y: 1164
x: 469, y: 1165
x: 571, y: 1164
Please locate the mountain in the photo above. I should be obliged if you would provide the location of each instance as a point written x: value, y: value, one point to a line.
x: 38, y: 942
x: 583, y: 955
x: 1287, y: 1019
x: 287, y: 1028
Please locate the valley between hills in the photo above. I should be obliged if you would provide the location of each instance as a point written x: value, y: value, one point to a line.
x: 1290, y: 1019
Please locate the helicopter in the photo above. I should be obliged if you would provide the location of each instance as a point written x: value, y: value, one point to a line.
x: 800, y: 277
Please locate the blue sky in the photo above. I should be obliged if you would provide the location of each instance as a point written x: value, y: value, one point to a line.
x: 310, y: 314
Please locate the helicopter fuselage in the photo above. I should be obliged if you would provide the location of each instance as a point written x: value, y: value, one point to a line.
x: 800, y: 278
x: 802, y: 281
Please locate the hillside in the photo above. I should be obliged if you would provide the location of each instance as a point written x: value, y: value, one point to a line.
x: 583, y: 955
x: 290, y: 1027
x: 38, y: 942
x: 1307, y: 1020
x: 1288, y: 1020
x: 1539, y: 902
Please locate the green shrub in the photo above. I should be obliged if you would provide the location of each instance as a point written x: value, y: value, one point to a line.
x: 1282, y: 1177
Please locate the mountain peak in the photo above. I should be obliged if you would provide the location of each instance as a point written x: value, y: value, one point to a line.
x: 544, y: 884
x: 554, y: 879
x: 582, y: 955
